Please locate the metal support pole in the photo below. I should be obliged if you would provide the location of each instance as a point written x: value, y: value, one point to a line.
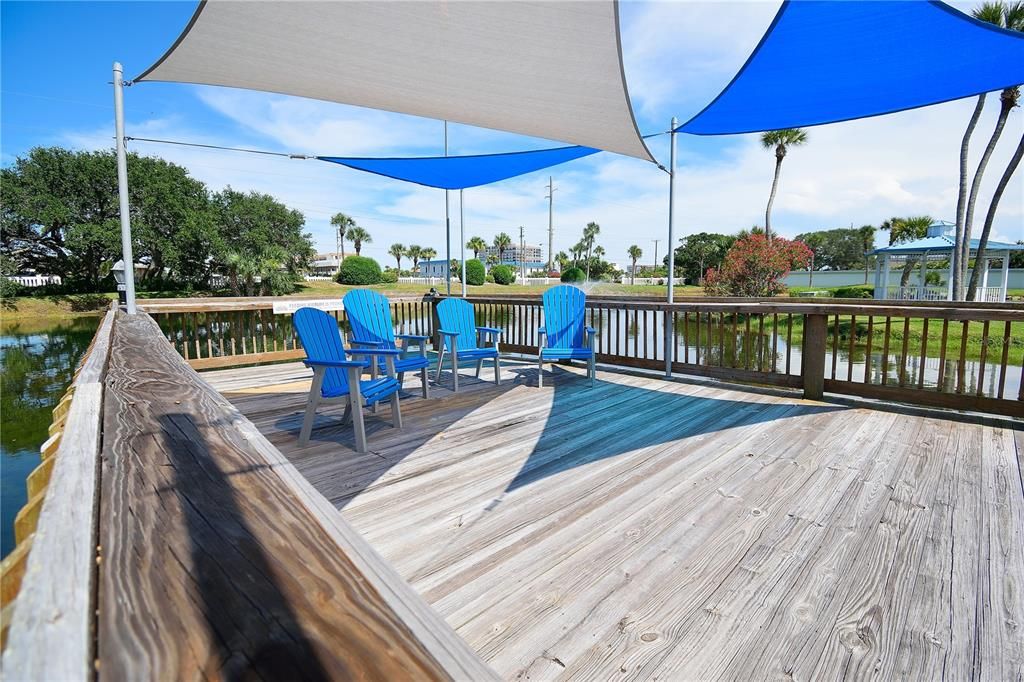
x: 669, y: 329
x: 462, y: 241
x: 122, y: 191
x: 447, y: 226
x: 671, y: 212
x: 551, y: 225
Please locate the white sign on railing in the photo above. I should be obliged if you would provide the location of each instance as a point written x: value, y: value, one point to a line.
x: 290, y: 306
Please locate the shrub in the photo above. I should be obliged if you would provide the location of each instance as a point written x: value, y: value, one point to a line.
x: 856, y: 291
x: 389, y: 276
x: 359, y: 270
x: 573, y: 275
x: 756, y: 266
x: 10, y: 289
x: 503, y: 274
x: 475, y: 273
x: 489, y: 278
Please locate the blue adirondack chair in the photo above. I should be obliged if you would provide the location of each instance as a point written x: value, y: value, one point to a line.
x: 463, y: 340
x: 337, y: 378
x: 369, y: 316
x: 561, y: 337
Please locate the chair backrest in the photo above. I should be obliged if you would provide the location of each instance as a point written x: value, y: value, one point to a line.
x: 457, y: 315
x: 564, y: 308
x: 369, y: 317
x: 321, y: 339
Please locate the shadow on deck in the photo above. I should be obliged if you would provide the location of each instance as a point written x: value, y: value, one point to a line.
x: 643, y: 528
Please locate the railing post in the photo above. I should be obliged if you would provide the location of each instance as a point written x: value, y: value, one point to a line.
x: 812, y: 364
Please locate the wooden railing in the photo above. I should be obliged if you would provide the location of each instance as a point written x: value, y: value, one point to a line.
x: 47, y: 578
x: 956, y: 355
x: 215, y: 332
x: 175, y: 541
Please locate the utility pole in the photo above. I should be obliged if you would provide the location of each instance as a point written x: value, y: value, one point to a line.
x: 522, y: 252
x: 551, y: 226
x: 655, y: 252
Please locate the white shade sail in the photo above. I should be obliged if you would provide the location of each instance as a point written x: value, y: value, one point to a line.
x: 549, y: 69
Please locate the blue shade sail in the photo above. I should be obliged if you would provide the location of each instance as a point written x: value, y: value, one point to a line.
x: 460, y: 172
x: 826, y: 61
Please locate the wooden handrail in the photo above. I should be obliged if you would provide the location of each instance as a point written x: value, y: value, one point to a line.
x: 50, y: 636
x: 255, y: 565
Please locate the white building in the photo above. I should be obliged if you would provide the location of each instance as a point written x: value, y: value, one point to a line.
x: 325, y: 264
x: 532, y: 255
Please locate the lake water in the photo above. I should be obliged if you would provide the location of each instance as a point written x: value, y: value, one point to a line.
x: 37, y: 359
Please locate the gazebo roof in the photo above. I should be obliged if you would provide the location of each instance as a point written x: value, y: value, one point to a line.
x: 940, y: 239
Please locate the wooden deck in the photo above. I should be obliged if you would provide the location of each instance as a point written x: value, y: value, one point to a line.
x: 647, y: 529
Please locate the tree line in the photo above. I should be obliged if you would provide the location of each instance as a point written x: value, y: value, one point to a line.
x: 59, y: 215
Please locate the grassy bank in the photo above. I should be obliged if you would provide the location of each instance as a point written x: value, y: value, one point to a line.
x: 915, y: 335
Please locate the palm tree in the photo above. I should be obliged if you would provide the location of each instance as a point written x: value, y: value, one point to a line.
x: 867, y: 243
x: 562, y: 258
x: 492, y: 259
x: 397, y: 251
x: 1005, y: 16
x: 590, y: 233
x: 501, y: 242
x: 477, y: 245
x: 577, y: 252
x: 905, y: 230
x: 635, y: 253
x: 358, y: 236
x: 342, y: 224
x: 1009, y: 16
x: 990, y: 216
x: 781, y: 140
x: 428, y: 254
x: 414, y: 252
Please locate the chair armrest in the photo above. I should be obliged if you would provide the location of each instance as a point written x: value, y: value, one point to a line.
x: 490, y: 330
x: 542, y: 330
x: 332, y: 363
x: 412, y: 337
x: 590, y: 330
x: 375, y: 351
x: 447, y: 333
x: 366, y: 343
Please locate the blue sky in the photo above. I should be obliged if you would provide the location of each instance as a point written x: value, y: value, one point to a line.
x: 56, y: 69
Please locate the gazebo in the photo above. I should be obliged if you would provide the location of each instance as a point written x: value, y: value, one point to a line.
x: 937, y: 245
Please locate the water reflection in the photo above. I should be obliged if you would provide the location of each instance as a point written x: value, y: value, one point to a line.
x: 38, y: 359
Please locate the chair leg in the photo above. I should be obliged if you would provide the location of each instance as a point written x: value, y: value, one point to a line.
x: 479, y: 366
x: 424, y: 380
x: 592, y: 369
x: 359, y: 426
x: 440, y: 361
x: 540, y: 372
x: 311, y: 402
x: 455, y: 369
x: 308, y: 419
x: 396, y: 411
x: 497, y: 371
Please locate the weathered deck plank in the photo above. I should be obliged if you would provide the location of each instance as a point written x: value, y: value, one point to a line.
x: 643, y: 528
x: 219, y: 561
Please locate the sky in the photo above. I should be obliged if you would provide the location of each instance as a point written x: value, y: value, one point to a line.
x: 55, y: 74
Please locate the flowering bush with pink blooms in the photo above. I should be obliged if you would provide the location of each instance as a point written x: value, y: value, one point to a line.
x: 756, y: 266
